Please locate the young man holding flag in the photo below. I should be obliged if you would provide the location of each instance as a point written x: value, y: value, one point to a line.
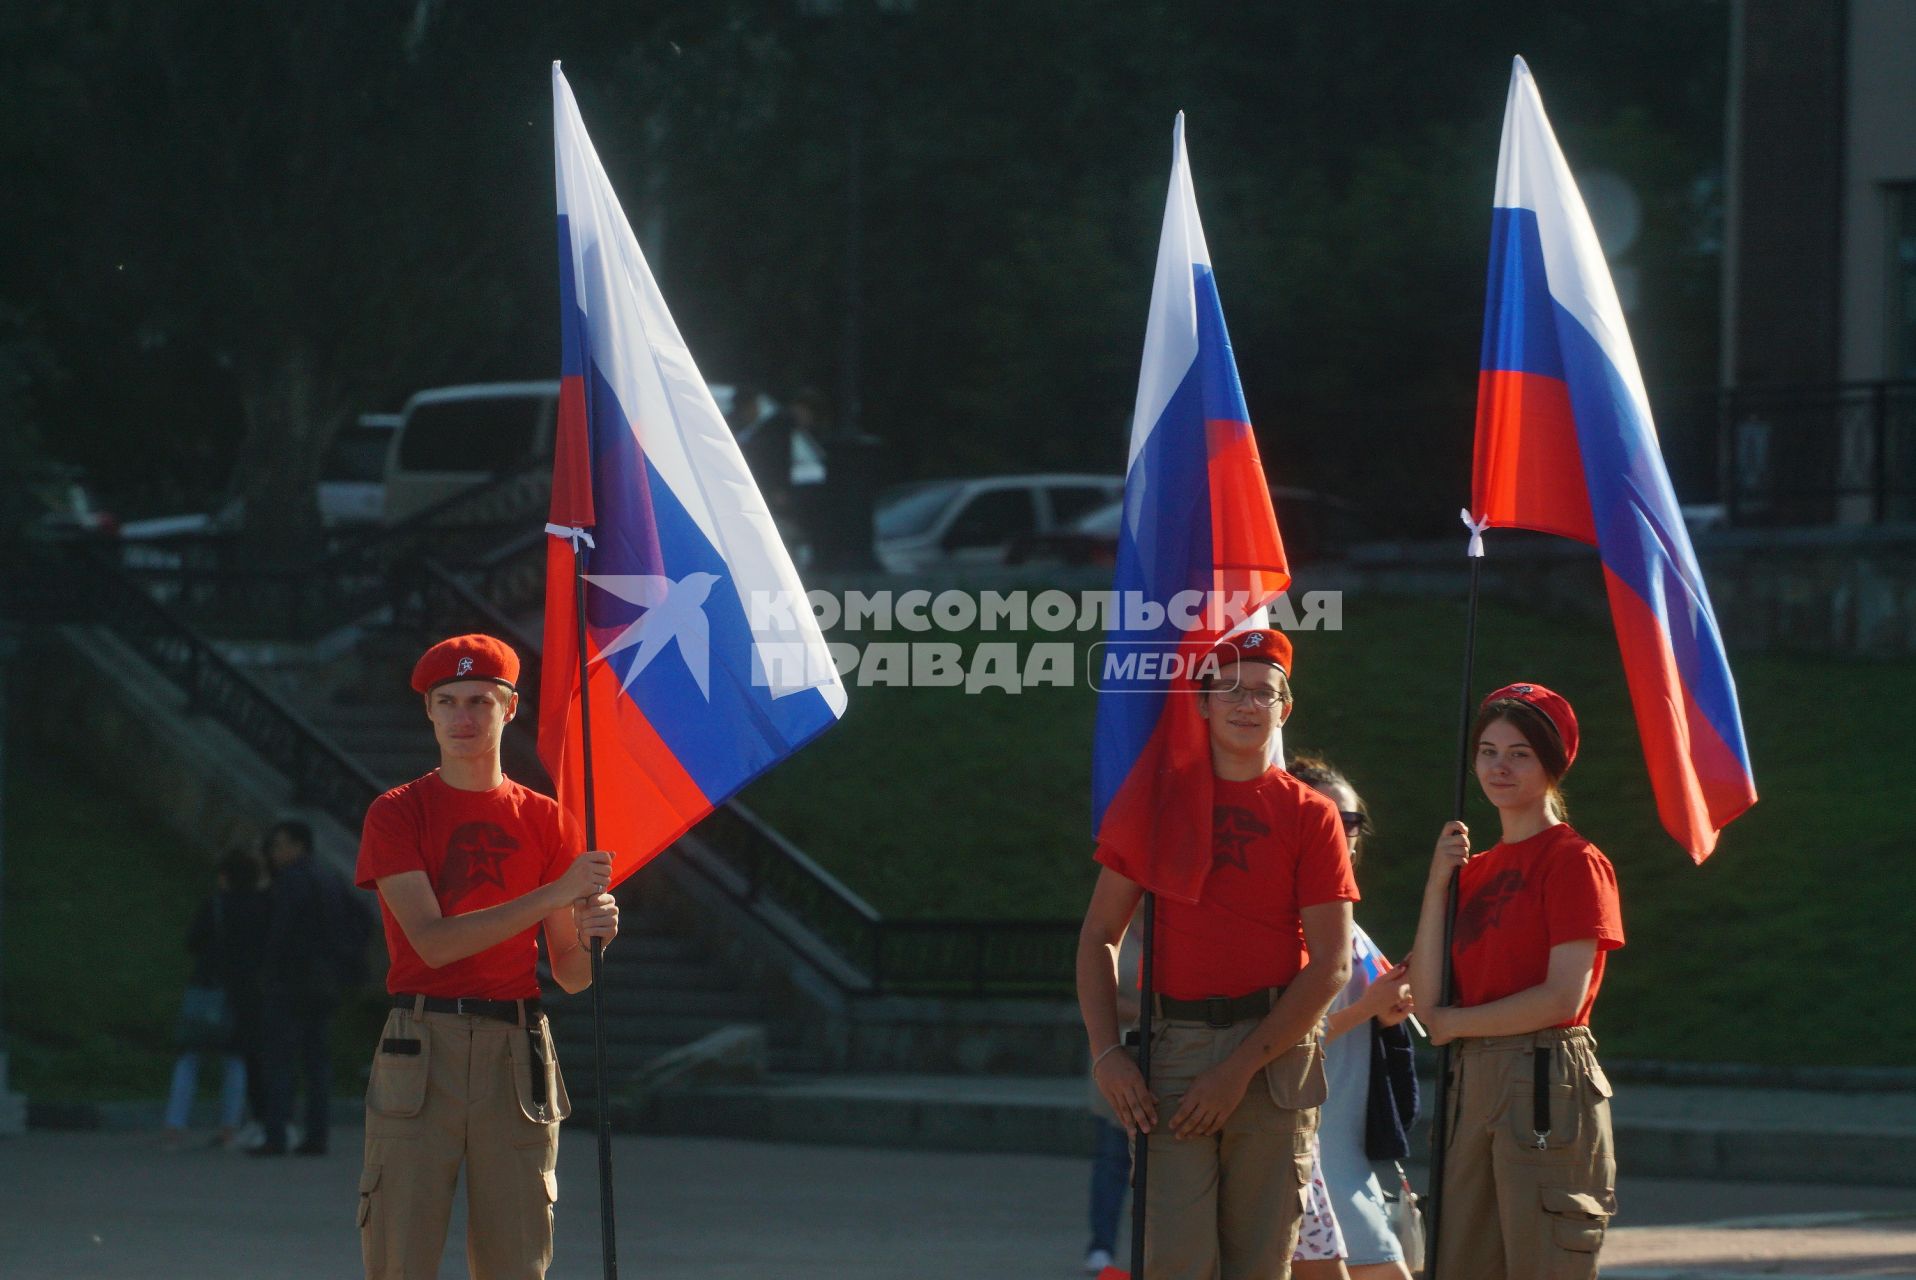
x: 469, y: 865
x: 1243, y: 975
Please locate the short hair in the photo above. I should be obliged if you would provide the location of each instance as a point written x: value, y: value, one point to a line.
x: 1315, y: 771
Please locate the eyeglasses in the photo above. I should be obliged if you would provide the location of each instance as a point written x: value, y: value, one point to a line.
x: 1354, y: 822
x: 1265, y: 698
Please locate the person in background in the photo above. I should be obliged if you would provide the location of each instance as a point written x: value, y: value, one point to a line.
x: 300, y: 990
x: 224, y: 940
x: 1369, y: 1247
x: 1530, y: 1169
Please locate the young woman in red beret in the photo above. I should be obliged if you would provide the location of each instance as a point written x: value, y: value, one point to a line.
x: 1530, y: 1174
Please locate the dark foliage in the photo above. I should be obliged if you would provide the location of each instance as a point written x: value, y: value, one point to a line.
x: 236, y: 224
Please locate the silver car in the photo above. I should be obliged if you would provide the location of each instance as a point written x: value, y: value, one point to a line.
x: 945, y: 523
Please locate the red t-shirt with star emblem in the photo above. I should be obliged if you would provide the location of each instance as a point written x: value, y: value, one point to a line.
x: 1516, y: 901
x: 1277, y: 846
x: 479, y: 849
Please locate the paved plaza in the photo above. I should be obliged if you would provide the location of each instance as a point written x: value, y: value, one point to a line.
x: 113, y: 1206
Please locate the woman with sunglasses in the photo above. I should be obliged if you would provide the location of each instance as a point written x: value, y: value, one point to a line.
x: 1529, y: 1170
x: 1369, y: 1247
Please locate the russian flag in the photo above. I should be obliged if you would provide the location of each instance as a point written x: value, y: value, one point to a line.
x: 1366, y: 957
x: 706, y: 664
x: 1565, y: 445
x: 1197, y: 518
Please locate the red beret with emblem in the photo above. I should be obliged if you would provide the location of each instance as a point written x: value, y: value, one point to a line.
x: 474, y: 657
x: 1273, y: 647
x: 1555, y: 707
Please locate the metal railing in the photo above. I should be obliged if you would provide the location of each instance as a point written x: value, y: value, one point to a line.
x: 221, y: 580
x: 1830, y: 453
x: 90, y: 588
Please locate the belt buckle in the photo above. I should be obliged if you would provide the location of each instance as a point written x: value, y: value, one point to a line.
x: 1217, y: 1012
x: 459, y: 1006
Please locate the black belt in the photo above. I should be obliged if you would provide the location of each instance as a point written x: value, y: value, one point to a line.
x: 503, y: 1010
x: 1218, y: 1011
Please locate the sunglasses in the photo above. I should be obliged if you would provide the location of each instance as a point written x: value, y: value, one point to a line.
x: 1354, y: 822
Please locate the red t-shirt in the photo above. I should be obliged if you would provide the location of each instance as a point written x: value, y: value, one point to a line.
x: 479, y: 849
x: 1277, y: 846
x: 1516, y: 901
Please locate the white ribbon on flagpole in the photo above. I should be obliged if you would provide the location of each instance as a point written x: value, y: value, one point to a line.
x: 1476, y: 549
x: 571, y: 534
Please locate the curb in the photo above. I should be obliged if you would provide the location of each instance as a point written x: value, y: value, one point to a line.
x: 1052, y: 1120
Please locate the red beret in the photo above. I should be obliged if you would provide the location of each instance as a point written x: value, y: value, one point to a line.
x: 1273, y: 647
x: 474, y: 657
x: 1555, y: 708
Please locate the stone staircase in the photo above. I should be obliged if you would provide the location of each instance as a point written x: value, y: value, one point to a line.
x: 661, y: 993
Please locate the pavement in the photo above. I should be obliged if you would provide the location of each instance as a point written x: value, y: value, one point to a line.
x: 111, y: 1205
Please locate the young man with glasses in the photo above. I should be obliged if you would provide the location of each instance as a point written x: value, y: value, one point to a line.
x: 1242, y: 979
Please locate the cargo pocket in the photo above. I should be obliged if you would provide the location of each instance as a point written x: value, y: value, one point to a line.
x: 1578, y: 1218
x: 368, y: 1184
x: 1296, y: 1077
x: 397, y: 1087
x: 1305, y: 1160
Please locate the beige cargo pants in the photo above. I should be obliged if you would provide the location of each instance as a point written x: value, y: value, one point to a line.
x: 1517, y: 1205
x: 450, y: 1089
x: 1227, y: 1206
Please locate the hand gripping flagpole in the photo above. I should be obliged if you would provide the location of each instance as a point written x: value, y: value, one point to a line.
x: 1440, y: 1121
x: 608, y: 1236
x: 1141, y: 1143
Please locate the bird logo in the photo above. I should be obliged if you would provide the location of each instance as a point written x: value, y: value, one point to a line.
x: 672, y: 611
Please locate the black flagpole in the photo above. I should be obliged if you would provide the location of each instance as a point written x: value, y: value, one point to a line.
x: 1141, y: 1145
x: 1440, y: 1121
x: 608, y: 1235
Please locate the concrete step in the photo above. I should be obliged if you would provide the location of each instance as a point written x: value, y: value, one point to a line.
x: 672, y: 975
x: 645, y: 947
x: 393, y: 768
x: 1743, y: 1135
x: 414, y: 739
x: 635, y: 1002
x: 671, y: 1029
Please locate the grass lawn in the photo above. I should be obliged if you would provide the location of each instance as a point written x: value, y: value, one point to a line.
x: 97, y: 903
x: 933, y: 803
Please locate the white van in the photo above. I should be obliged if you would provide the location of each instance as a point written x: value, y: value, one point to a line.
x: 452, y: 438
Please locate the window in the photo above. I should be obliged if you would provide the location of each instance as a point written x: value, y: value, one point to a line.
x: 1068, y: 502
x: 481, y: 434
x: 911, y: 510
x: 992, y: 518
